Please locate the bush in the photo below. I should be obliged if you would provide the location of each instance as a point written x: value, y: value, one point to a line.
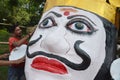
x: 4, y: 35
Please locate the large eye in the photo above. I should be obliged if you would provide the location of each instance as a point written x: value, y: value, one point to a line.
x: 47, y: 23
x: 80, y: 26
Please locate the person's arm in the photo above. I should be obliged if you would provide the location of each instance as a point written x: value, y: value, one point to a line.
x: 20, y: 42
x: 4, y: 56
x: 7, y: 63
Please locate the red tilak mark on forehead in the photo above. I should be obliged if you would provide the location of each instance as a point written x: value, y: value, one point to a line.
x: 66, y: 13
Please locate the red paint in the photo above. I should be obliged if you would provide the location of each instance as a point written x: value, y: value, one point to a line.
x: 50, y: 65
x: 66, y: 13
x: 88, y: 30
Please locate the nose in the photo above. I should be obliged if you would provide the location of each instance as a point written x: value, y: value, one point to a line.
x: 20, y: 30
x: 55, y: 42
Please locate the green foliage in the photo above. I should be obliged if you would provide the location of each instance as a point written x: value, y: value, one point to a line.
x: 21, y: 11
x: 13, y: 3
x: 3, y: 69
x: 4, y: 48
x: 22, y: 17
x: 4, y: 11
x: 3, y: 72
x: 4, y: 35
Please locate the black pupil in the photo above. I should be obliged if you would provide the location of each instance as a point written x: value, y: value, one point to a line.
x: 45, y: 22
x: 79, y: 25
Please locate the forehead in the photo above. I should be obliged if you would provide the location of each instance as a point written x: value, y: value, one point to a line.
x: 72, y: 10
x: 17, y: 28
x: 66, y: 11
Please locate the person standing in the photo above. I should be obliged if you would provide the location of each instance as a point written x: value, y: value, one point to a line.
x: 16, y: 71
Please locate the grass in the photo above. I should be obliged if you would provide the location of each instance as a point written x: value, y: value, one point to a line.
x: 3, y: 72
x: 3, y: 69
x: 4, y: 35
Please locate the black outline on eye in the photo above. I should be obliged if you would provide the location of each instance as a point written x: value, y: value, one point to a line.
x: 82, y: 21
x: 53, y: 21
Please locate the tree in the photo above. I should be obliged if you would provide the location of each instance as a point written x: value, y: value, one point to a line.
x: 25, y: 12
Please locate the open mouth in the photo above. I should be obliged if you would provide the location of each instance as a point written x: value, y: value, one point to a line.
x: 50, y: 65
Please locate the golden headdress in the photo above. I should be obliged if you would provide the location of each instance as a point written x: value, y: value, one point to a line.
x: 100, y: 7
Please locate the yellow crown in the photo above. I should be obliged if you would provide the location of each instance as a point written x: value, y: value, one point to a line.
x: 100, y: 7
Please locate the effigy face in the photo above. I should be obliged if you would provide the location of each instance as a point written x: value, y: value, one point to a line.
x: 68, y: 44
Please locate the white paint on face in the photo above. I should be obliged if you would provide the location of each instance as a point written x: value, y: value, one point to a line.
x: 59, y: 40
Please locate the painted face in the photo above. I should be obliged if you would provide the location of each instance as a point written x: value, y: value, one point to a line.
x: 68, y: 44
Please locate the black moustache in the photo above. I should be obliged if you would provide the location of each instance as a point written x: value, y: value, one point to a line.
x: 82, y: 66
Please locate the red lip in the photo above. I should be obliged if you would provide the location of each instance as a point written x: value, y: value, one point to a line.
x: 50, y: 65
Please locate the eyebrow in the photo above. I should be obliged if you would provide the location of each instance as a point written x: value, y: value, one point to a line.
x: 70, y: 17
x: 56, y: 14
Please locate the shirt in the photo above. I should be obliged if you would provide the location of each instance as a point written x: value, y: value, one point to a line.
x: 11, y: 47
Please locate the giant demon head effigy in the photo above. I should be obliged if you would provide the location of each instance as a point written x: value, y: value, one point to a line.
x: 74, y: 40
